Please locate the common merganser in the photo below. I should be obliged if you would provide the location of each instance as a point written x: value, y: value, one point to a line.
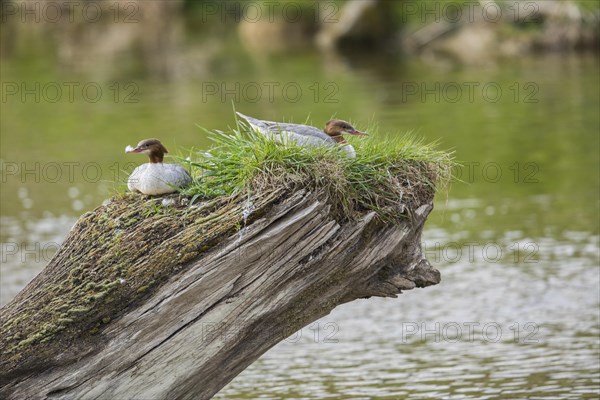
x: 305, y: 135
x: 155, y: 178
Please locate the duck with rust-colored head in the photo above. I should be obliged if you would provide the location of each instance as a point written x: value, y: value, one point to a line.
x: 305, y: 135
x: 155, y: 178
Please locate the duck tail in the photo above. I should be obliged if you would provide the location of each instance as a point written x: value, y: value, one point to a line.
x: 247, y: 118
x: 254, y: 123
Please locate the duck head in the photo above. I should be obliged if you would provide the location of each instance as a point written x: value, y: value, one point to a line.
x: 336, y: 128
x: 151, y: 147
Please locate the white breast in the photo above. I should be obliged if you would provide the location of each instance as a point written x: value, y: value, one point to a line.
x: 349, y: 150
x: 158, y: 178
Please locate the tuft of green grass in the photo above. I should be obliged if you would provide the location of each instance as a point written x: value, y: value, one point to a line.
x: 390, y: 175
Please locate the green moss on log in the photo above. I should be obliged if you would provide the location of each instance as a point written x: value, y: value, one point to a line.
x: 114, y: 257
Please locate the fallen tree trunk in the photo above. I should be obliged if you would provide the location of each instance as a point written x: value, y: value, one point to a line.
x: 150, y: 298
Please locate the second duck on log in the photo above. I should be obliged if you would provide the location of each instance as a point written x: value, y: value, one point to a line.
x: 305, y: 135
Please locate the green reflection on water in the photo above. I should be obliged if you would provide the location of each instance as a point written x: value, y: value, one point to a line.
x: 521, y: 129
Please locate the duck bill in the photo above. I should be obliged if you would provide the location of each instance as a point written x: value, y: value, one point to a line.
x: 130, y: 149
x: 359, y: 133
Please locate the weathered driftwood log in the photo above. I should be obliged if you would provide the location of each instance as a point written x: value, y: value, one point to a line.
x: 153, y: 298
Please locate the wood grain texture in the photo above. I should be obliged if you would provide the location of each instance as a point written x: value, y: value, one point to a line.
x: 231, y: 304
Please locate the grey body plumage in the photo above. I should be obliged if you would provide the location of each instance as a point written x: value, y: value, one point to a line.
x: 305, y: 135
